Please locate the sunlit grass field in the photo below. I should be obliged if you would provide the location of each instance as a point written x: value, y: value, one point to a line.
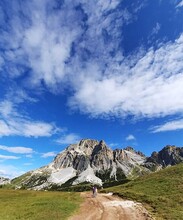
x: 161, y: 192
x: 34, y: 205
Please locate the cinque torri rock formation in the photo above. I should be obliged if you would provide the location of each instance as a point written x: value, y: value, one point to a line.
x: 91, y: 161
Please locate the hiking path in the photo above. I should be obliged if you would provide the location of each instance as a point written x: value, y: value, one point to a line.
x: 109, y: 207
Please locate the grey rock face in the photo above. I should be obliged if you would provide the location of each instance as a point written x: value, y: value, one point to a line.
x: 101, y: 157
x: 169, y: 155
x: 98, y: 156
x: 77, y: 156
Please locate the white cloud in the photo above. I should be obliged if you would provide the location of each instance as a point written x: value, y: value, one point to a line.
x: 147, y: 85
x: 49, y: 154
x: 156, y: 29
x: 28, y: 155
x: 180, y: 4
x: 27, y: 128
x: 17, y: 150
x: 4, y: 129
x: 5, y: 157
x: 27, y: 164
x: 39, y: 129
x: 6, y: 108
x: 45, y: 46
x: 114, y: 145
x: 68, y: 139
x: 13, y: 122
x: 42, y: 40
x: 130, y: 137
x: 168, y: 126
x: 66, y: 43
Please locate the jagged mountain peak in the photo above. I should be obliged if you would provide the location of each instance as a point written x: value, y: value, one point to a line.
x: 88, y: 142
x: 131, y: 149
x: 81, y: 155
x: 172, y: 148
x: 85, y: 146
x: 169, y: 155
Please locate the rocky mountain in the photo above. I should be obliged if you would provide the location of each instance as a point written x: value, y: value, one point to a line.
x: 168, y: 156
x: 94, y: 162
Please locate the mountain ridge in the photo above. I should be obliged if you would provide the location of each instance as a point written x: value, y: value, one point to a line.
x: 94, y: 162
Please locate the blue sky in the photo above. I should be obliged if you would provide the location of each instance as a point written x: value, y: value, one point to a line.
x: 110, y: 70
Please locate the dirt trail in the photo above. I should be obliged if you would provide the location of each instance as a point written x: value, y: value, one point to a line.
x: 109, y: 207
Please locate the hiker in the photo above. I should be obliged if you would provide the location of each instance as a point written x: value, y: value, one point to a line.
x: 94, y: 190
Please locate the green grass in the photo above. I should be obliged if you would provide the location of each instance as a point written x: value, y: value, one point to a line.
x: 34, y: 205
x: 160, y: 192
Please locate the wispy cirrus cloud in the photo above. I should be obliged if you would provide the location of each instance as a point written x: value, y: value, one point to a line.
x: 8, y: 157
x: 130, y: 137
x: 27, y: 128
x: 42, y: 40
x: 17, y: 150
x: 173, y: 125
x: 156, y: 29
x: 113, y: 145
x: 27, y: 164
x: 14, y: 121
x: 48, y: 154
x: 21, y: 126
x: 68, y: 139
x: 180, y: 4
x: 45, y: 48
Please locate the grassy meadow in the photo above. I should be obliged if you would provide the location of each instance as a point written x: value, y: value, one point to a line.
x: 160, y: 192
x: 34, y: 205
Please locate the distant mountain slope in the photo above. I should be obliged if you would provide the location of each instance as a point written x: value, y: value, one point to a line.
x: 94, y: 162
x: 162, y: 192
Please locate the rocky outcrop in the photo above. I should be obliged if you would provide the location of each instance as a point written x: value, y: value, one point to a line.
x: 169, y: 155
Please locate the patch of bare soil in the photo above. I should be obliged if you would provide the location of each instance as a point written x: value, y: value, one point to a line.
x: 109, y: 207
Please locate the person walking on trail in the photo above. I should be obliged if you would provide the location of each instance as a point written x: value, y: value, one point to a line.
x: 94, y: 189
